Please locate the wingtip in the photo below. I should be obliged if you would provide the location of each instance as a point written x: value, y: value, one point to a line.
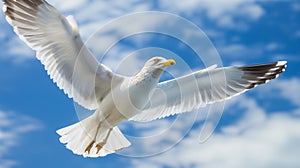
x: 4, y: 7
x: 281, y: 63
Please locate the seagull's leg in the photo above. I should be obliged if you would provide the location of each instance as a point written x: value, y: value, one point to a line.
x: 89, y: 147
x: 100, y: 145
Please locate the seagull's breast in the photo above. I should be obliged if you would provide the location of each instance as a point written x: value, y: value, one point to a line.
x: 124, y: 102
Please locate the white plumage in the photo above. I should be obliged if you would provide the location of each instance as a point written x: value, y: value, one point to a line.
x: 117, y: 98
x: 206, y: 87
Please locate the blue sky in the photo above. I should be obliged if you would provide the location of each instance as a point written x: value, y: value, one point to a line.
x: 257, y: 129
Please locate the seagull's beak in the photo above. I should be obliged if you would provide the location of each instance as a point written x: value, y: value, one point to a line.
x: 169, y: 62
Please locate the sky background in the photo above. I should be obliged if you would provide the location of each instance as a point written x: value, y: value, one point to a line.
x: 258, y: 129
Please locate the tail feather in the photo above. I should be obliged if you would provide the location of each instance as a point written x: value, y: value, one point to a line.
x: 79, y: 136
x: 115, y: 142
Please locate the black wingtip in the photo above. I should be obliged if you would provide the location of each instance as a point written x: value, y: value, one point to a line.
x: 262, y: 73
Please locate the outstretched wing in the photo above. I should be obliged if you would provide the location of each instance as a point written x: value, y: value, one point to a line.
x: 205, y: 87
x: 59, y: 47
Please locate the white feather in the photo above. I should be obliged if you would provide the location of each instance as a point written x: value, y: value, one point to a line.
x: 204, y: 87
x: 60, y: 49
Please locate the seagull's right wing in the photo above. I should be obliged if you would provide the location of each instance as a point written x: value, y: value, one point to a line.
x: 205, y: 87
x: 59, y: 47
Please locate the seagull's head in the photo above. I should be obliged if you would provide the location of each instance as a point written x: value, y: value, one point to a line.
x: 156, y: 65
x: 159, y: 63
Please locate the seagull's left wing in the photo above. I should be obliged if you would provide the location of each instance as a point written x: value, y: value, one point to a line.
x: 60, y: 49
x: 205, y: 87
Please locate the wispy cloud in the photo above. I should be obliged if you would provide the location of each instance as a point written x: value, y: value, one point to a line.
x: 240, y: 51
x: 11, y: 46
x: 272, y: 143
x: 92, y: 15
x: 285, y: 89
x: 297, y: 34
x: 226, y: 13
x: 7, y: 163
x: 257, y: 138
x: 296, y: 6
x: 12, y: 126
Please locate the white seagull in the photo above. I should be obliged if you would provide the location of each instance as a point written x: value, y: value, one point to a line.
x: 116, y: 98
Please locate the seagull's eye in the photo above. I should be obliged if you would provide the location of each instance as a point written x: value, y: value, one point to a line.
x: 155, y: 60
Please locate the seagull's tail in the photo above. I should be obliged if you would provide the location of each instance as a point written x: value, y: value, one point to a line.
x: 89, y: 139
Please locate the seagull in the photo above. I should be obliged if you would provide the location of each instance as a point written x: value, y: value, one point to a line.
x: 116, y: 98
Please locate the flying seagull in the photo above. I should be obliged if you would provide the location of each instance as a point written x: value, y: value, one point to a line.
x: 116, y: 98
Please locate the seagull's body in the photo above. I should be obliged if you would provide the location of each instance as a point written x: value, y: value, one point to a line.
x: 116, y: 98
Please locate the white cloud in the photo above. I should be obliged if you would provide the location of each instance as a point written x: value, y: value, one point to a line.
x: 98, y: 13
x: 68, y: 5
x: 296, y: 6
x: 235, y: 51
x: 272, y: 143
x: 257, y: 139
x: 12, y: 126
x: 19, y: 49
x: 2, y: 34
x: 297, y: 34
x: 238, y: 50
x: 252, y: 10
x: 222, y: 11
x: 12, y: 47
x: 254, y: 114
x: 91, y: 15
x: 7, y: 163
x: 285, y: 89
x: 272, y: 46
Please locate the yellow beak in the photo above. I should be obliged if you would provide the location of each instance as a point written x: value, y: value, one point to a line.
x: 169, y: 62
